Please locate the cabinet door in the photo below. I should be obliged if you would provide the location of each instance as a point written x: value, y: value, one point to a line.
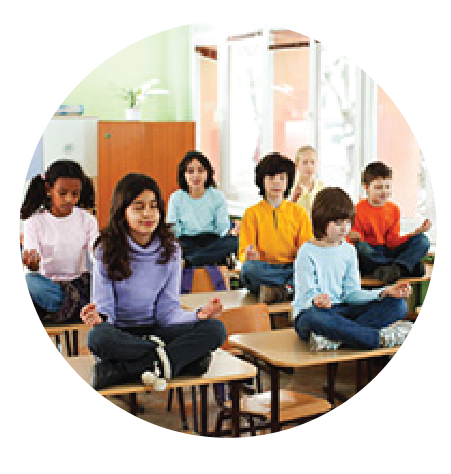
x: 152, y: 148
x: 120, y: 150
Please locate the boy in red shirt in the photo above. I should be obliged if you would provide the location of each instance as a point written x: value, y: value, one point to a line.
x: 382, y: 252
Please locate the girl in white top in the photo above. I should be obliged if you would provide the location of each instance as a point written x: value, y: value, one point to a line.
x: 58, y: 230
x: 306, y: 185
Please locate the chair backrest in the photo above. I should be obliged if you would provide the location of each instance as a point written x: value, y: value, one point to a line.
x: 245, y: 319
x: 202, y: 282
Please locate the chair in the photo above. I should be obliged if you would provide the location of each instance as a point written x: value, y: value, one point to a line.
x: 57, y: 330
x: 293, y: 406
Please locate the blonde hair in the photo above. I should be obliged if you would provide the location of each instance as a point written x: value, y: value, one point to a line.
x: 301, y: 150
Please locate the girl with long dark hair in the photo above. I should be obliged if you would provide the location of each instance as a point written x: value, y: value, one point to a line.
x: 140, y: 329
x: 198, y: 212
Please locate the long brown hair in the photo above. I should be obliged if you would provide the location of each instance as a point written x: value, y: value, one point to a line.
x: 115, y: 248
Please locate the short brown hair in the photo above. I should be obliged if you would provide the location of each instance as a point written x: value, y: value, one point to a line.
x: 374, y: 171
x: 330, y: 204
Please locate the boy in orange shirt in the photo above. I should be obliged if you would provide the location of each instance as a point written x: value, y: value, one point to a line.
x: 382, y: 252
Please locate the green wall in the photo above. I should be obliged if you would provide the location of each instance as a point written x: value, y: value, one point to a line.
x: 164, y: 56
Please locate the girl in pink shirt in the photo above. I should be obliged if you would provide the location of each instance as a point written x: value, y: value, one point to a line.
x: 58, y: 232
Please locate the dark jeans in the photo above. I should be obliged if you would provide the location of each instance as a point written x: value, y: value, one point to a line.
x: 354, y: 325
x: 185, y: 343
x: 207, y: 249
x: 407, y: 254
x: 255, y: 273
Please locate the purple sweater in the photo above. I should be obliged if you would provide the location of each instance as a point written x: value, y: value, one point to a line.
x: 151, y: 295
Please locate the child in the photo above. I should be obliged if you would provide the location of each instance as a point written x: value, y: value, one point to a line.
x: 306, y: 185
x: 272, y: 232
x: 330, y: 307
x: 381, y: 251
x: 139, y: 328
x: 199, y: 214
x: 57, y: 233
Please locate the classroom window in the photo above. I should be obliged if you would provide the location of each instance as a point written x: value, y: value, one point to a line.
x: 277, y: 90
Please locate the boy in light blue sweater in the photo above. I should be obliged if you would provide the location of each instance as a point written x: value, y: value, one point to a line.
x: 330, y: 306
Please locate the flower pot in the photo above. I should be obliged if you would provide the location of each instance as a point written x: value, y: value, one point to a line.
x: 133, y: 114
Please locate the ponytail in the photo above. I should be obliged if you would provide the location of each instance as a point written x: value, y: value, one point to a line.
x: 35, y: 197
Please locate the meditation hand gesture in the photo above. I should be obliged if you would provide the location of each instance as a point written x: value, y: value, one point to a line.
x: 322, y: 301
x: 398, y: 290
x: 89, y: 315
x: 250, y: 253
x: 211, y: 310
x: 424, y: 227
x: 31, y: 260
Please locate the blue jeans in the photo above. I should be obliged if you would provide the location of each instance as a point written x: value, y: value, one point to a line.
x: 354, y: 325
x: 44, y: 292
x: 207, y: 249
x: 255, y: 273
x: 407, y: 254
x: 185, y: 343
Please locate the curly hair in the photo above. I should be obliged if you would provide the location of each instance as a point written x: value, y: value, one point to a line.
x: 329, y: 205
x: 116, y: 252
x: 272, y: 164
x: 187, y: 159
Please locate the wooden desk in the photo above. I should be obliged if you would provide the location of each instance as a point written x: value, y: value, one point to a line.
x: 230, y: 299
x: 283, y: 348
x: 224, y: 368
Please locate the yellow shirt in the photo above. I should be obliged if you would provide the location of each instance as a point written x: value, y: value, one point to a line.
x: 306, y: 198
x: 276, y: 233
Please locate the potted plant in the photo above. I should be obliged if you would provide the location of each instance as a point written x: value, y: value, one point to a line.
x: 134, y: 97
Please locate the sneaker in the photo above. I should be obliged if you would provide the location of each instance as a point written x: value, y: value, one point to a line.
x: 161, y: 368
x: 388, y: 274
x: 198, y: 367
x: 395, y: 334
x: 322, y: 343
x: 106, y: 374
x: 273, y: 294
x: 153, y: 379
x: 230, y: 261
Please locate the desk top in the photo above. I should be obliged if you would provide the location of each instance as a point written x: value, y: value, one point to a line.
x: 224, y: 368
x: 230, y: 299
x: 284, y: 348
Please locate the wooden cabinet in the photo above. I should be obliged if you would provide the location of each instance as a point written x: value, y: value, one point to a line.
x: 152, y: 148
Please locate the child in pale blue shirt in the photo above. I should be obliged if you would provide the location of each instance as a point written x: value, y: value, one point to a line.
x: 330, y: 306
x: 198, y: 213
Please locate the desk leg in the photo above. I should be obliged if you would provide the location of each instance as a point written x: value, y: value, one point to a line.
x: 203, y: 410
x: 134, y: 404
x: 194, y: 405
x: 275, y: 398
x: 235, y: 397
x: 75, y: 342
x: 331, y: 374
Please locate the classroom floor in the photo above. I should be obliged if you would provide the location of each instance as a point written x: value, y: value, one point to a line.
x: 153, y: 406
